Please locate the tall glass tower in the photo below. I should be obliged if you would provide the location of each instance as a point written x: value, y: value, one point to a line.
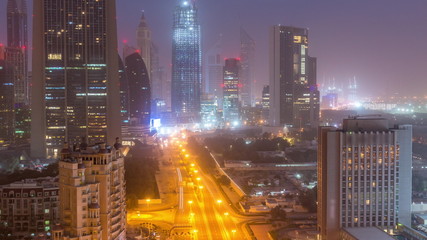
x: 75, y: 89
x: 186, y: 60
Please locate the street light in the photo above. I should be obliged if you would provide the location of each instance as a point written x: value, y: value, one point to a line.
x: 233, y: 231
x: 191, y: 203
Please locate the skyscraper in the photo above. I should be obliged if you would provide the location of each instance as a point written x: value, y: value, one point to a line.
x: 232, y: 85
x: 7, y: 126
x: 213, y: 71
x: 293, y: 89
x: 16, y: 56
x: 143, y: 41
x: 364, y: 176
x: 139, y: 89
x: 186, y: 59
x: 75, y: 74
x: 247, y: 56
x: 124, y: 93
x: 265, y: 102
x: 92, y: 193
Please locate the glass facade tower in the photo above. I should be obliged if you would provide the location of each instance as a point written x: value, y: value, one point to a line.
x: 75, y: 70
x: 186, y: 60
x: 294, y: 94
x: 231, y: 85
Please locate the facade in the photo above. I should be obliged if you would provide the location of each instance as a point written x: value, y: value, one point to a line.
x: 75, y: 87
x: 231, y: 91
x: 247, y: 56
x: 124, y: 93
x: 16, y: 56
x: 139, y: 89
x: 186, y: 60
x: 143, y: 41
x: 265, y: 103
x: 213, y: 72
x: 7, y: 100
x: 294, y: 93
x: 364, y: 176
x: 92, y: 193
x: 30, y: 207
x: 209, y: 112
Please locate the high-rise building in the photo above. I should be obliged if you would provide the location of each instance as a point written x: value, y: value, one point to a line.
x: 213, y: 71
x: 139, y: 89
x: 124, y: 93
x: 92, y: 193
x: 29, y: 207
x: 144, y: 44
x: 293, y: 89
x: 186, y: 60
x: 364, y: 176
x: 7, y: 99
x: 75, y: 87
x: 16, y: 56
x: 247, y: 56
x: 265, y: 102
x: 232, y: 85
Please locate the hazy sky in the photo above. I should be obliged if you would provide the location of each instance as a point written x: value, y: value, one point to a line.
x: 381, y: 42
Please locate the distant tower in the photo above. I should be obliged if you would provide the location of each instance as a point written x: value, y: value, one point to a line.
x: 16, y: 56
x: 124, y: 93
x: 247, y: 55
x: 265, y: 102
x: 7, y: 126
x: 352, y: 91
x: 139, y: 88
x: 232, y: 85
x: 294, y: 98
x: 214, y: 71
x: 364, y: 175
x: 143, y: 41
x: 75, y: 87
x: 186, y: 60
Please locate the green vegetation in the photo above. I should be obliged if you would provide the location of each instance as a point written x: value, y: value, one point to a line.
x: 206, y: 162
x: 140, y: 167
x: 308, y: 199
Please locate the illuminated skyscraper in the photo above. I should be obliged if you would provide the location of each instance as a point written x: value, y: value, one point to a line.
x: 75, y: 88
x: 143, y: 41
x: 7, y: 126
x: 293, y: 91
x: 139, y: 89
x: 364, y: 176
x: 124, y: 93
x: 16, y: 56
x: 232, y: 85
x: 186, y: 59
x: 247, y: 56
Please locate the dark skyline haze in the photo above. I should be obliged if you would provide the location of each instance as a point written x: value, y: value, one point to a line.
x: 382, y: 43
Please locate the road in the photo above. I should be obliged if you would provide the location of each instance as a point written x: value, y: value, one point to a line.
x: 196, y: 209
x: 201, y: 204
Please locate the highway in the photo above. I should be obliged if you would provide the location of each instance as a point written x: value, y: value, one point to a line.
x: 194, y: 207
x: 201, y: 203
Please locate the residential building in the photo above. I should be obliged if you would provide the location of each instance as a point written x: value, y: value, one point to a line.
x: 231, y: 91
x: 92, y: 192
x: 186, y: 61
x: 293, y: 88
x: 364, y: 176
x: 75, y: 88
x: 30, y: 207
x: 247, y: 56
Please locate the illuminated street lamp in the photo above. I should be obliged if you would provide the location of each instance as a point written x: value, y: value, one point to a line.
x: 191, y: 203
x: 233, y: 231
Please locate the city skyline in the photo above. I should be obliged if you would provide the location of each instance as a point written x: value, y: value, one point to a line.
x: 342, y: 27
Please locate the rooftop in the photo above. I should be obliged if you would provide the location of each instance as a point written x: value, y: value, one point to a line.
x: 368, y: 233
